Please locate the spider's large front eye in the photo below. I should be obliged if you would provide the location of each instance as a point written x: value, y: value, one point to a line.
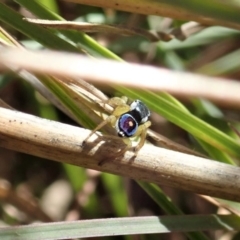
x: 126, y: 125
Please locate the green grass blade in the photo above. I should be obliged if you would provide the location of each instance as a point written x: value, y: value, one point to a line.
x: 37, y: 33
x: 166, y: 204
x: 120, y: 226
x: 160, y: 198
x: 82, y: 39
x: 212, y: 151
x: 68, y: 101
x: 116, y: 192
x: 51, y: 4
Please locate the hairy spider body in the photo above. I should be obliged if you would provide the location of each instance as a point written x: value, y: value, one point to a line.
x: 129, y: 121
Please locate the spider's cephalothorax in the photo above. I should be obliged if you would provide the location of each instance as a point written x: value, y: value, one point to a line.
x: 128, y: 123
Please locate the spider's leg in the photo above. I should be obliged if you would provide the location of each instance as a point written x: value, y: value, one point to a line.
x: 119, y: 110
x: 142, y: 132
x: 128, y: 143
x: 109, y: 119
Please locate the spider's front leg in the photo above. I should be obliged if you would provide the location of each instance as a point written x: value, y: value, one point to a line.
x: 109, y: 119
x: 142, y: 133
x: 120, y: 108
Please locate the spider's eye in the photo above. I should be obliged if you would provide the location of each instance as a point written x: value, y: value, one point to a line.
x: 126, y: 125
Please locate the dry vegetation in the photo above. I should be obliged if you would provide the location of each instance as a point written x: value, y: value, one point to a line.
x: 192, y: 148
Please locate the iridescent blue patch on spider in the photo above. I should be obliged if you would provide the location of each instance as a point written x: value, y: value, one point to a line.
x: 127, y: 125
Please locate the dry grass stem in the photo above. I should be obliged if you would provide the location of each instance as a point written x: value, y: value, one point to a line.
x: 165, y: 9
x: 221, y: 91
x: 61, y: 142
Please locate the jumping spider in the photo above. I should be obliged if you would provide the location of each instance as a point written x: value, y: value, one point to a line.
x: 129, y: 121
